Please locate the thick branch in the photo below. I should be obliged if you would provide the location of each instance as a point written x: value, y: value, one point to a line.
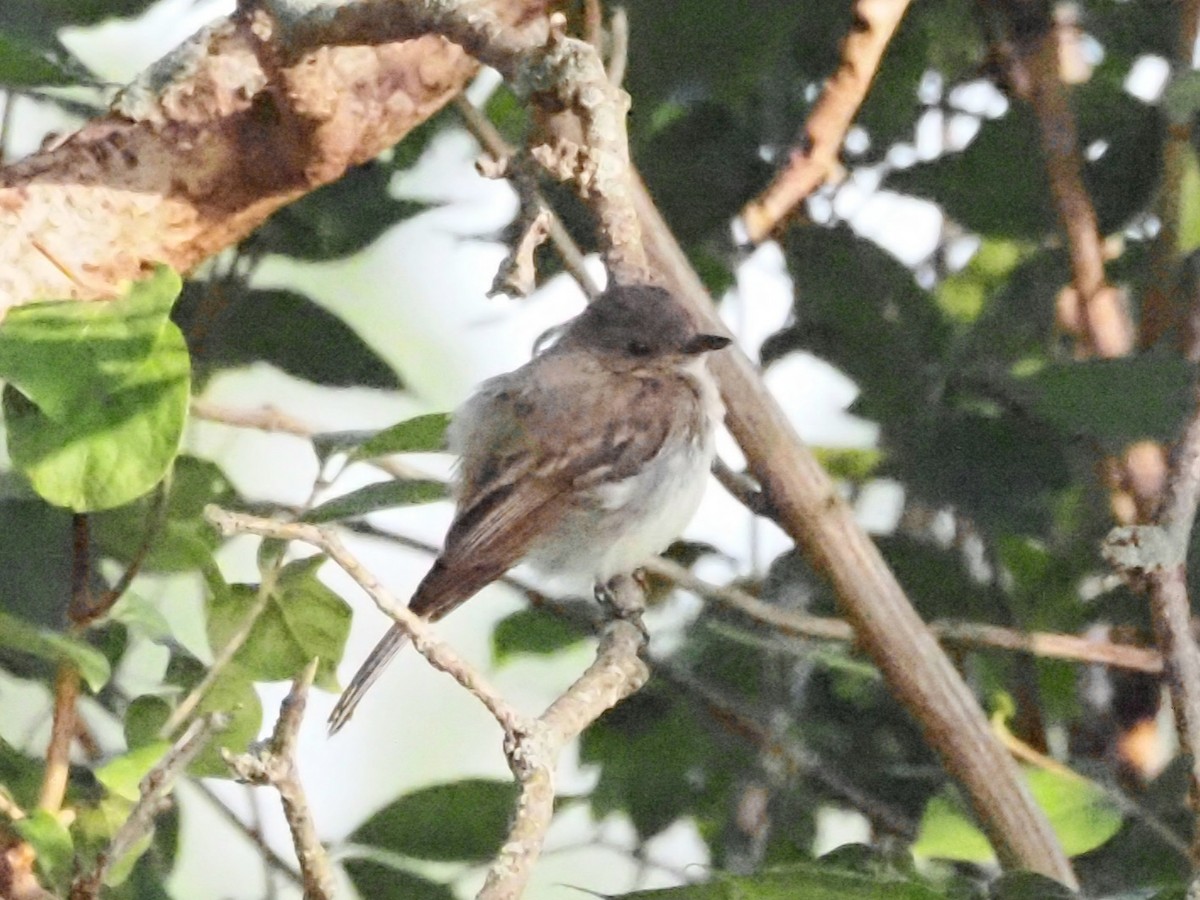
x: 814, y: 514
x: 206, y: 146
x: 565, y: 76
x: 815, y: 157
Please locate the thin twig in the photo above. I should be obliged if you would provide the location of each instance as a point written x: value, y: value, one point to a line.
x: 1159, y: 554
x: 1162, y: 309
x: 618, y: 55
x: 265, y: 418
x: 270, y: 420
x: 67, y: 679
x: 743, y: 488
x: 265, y: 850
x: 155, y: 519
x: 274, y: 763
x: 814, y: 158
x: 156, y: 788
x: 964, y: 634
x: 440, y: 655
x: 1093, y: 311
x: 505, y: 155
x: 593, y: 22
x: 62, y: 734
x: 182, y: 712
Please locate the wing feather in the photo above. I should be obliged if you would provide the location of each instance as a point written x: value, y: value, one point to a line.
x: 527, y: 453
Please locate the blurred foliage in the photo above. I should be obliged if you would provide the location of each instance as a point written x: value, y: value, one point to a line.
x: 989, y: 420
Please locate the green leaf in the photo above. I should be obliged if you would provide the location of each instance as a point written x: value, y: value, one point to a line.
x: 18, y: 635
x: 1029, y: 886
x: 993, y: 187
x: 144, y: 719
x: 850, y: 464
x: 811, y: 881
x: 421, y: 434
x: 229, y: 328
x: 54, y: 14
x: 374, y: 497
x: 122, y: 776
x: 1181, y: 99
x: 462, y: 821
x: 303, y: 619
x: 379, y: 881
x: 651, y: 749
x: 1187, y: 237
x: 23, y: 65
x: 20, y: 775
x: 52, y: 842
x: 181, y: 540
x: 1081, y: 813
x: 704, y: 145
x: 232, y: 693
x: 946, y: 832
x: 964, y: 295
x: 337, y: 219
x: 97, y: 394
x: 1112, y: 399
x: 35, y: 557
x: 532, y: 632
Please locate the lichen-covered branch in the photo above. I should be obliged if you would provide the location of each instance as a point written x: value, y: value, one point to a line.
x: 273, y: 763
x: 617, y: 672
x: 208, y: 144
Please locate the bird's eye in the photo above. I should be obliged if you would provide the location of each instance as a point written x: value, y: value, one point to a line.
x: 638, y: 348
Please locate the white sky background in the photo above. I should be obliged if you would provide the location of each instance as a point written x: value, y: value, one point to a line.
x: 418, y: 296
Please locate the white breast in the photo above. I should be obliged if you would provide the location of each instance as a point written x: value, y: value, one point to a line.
x: 627, y: 522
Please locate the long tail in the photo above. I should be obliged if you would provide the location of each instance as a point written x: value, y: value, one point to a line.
x: 443, y: 588
x: 391, y: 644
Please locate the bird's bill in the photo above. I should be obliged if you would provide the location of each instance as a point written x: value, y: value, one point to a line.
x: 703, y: 343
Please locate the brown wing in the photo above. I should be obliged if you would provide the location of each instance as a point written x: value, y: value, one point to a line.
x: 530, y: 451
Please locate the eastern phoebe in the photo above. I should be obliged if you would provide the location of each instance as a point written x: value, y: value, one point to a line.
x: 587, y: 460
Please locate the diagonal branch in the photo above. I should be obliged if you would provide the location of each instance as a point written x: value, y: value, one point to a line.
x: 813, y: 513
x: 814, y: 159
x: 1093, y: 310
x: 439, y: 654
x: 156, y: 788
x: 617, y: 672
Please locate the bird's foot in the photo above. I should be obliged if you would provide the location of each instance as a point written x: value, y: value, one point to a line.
x: 623, y: 599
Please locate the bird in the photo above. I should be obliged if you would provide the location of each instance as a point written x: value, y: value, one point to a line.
x: 585, y: 461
